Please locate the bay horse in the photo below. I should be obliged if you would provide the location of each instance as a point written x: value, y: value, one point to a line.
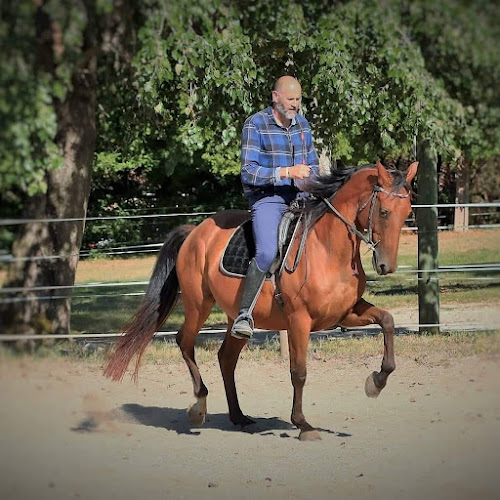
x: 325, y: 290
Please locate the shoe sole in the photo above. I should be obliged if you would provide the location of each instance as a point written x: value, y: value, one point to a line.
x: 241, y: 336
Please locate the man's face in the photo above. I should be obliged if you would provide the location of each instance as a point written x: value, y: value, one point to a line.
x: 287, y: 101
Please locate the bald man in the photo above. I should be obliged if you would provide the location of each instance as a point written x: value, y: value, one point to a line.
x: 277, y: 153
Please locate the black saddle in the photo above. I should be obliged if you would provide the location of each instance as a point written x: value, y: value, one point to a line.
x: 240, y: 248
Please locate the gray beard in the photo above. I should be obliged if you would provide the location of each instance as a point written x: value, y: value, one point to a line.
x: 287, y: 114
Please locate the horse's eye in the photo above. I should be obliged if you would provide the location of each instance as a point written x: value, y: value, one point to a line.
x: 384, y: 213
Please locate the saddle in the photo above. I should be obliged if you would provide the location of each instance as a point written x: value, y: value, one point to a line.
x: 240, y: 248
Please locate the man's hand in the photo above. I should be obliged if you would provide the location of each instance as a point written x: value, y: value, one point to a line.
x: 300, y: 171
x: 296, y: 172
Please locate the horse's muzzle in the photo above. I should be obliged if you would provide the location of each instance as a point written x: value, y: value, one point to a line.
x: 380, y: 265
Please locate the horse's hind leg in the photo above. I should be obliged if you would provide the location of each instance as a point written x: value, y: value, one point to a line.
x: 228, y: 357
x: 195, y: 317
x: 364, y: 314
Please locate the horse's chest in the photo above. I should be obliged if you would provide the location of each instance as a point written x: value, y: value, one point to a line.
x: 332, y: 305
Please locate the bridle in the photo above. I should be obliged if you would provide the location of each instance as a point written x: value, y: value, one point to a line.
x: 370, y: 201
x: 368, y: 240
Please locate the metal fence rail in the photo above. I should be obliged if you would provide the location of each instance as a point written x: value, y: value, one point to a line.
x: 488, y: 269
x: 462, y: 268
x: 14, y: 222
x: 264, y: 335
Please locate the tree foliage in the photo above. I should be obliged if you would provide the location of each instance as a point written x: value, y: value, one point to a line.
x: 176, y: 80
x: 35, y: 80
x: 374, y: 75
x: 27, y: 118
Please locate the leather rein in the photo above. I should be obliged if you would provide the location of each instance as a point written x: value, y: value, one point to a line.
x: 371, y: 200
x: 368, y: 240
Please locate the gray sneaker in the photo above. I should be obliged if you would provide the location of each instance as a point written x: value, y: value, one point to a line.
x: 242, y: 328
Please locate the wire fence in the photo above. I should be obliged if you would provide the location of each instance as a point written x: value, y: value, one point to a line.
x: 17, y: 221
x: 261, y: 336
x: 145, y: 248
x: 35, y: 293
x: 460, y: 268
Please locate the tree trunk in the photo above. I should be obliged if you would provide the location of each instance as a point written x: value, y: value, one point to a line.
x: 46, y: 253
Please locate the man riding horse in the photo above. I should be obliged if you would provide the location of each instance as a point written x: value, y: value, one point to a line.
x: 346, y: 203
x: 277, y: 150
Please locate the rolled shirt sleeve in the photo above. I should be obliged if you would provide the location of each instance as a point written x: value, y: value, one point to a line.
x: 252, y: 172
x: 312, y: 161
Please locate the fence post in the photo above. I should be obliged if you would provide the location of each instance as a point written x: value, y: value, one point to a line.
x: 427, y: 222
x: 461, y: 219
x: 284, y: 343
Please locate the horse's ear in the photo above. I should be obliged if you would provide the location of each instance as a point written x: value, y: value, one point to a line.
x: 411, y: 172
x: 384, y: 177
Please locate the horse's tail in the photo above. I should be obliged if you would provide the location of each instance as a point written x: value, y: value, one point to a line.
x: 160, y: 299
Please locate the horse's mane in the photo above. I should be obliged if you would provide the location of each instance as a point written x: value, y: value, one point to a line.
x: 327, y: 186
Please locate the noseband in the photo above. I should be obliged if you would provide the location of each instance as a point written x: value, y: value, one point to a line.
x: 371, y: 200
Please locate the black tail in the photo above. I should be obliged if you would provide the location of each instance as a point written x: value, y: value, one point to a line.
x: 160, y: 299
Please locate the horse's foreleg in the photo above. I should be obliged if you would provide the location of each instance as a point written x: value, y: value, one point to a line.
x: 363, y: 314
x: 194, y: 320
x: 298, y: 340
x: 229, y: 353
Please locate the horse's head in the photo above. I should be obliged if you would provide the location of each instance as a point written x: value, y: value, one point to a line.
x: 384, y: 214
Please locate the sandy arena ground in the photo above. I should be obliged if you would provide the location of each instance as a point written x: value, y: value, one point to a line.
x: 434, y: 432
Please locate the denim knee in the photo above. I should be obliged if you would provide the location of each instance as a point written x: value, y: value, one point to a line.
x: 265, y: 257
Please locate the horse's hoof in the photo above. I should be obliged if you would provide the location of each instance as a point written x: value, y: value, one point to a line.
x: 309, y: 436
x: 371, y: 390
x: 197, y: 412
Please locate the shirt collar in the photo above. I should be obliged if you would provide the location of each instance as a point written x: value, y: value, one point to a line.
x: 273, y: 118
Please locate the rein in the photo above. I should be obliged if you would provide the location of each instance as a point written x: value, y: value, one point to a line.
x: 371, y: 200
x: 368, y: 240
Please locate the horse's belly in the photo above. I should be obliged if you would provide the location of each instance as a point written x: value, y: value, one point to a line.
x: 267, y: 314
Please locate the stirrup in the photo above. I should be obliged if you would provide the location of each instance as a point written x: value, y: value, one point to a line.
x: 246, y: 332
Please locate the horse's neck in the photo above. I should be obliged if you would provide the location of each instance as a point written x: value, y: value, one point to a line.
x: 337, y: 240
x: 333, y: 232
x: 354, y: 194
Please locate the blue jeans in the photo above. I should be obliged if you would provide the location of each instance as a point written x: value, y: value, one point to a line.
x: 266, y: 216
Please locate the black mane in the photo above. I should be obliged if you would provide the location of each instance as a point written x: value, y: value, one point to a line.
x: 327, y: 186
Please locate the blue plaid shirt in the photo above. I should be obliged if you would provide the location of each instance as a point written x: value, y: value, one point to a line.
x: 266, y: 146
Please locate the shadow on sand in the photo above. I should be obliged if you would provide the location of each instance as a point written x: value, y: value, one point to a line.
x: 176, y: 419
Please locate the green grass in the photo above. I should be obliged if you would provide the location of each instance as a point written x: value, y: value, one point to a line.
x: 109, y: 314
x: 421, y: 348
x: 400, y: 289
x: 481, y: 256
x: 108, y: 309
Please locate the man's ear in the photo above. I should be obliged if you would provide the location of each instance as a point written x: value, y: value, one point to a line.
x: 274, y: 95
